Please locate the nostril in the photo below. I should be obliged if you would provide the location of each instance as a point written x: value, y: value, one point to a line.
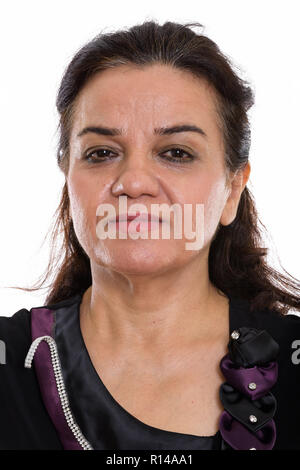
x: 117, y: 188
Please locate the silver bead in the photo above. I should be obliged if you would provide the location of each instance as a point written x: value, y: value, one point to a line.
x: 252, y: 419
x: 252, y: 385
x: 235, y: 334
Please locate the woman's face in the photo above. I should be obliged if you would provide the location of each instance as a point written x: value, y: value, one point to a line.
x: 136, y: 162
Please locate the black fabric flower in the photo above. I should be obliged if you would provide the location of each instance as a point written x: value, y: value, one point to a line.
x: 248, y: 347
x: 242, y: 407
x: 249, y: 407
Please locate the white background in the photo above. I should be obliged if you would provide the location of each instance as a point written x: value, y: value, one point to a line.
x: 37, y: 41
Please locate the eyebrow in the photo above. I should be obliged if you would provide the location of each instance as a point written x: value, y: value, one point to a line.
x: 157, y: 131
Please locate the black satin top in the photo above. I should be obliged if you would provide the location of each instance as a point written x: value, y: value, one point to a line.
x: 103, y: 421
x: 26, y: 424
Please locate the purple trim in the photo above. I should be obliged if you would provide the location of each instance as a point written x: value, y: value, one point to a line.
x: 239, y: 377
x: 240, y: 438
x: 42, y: 323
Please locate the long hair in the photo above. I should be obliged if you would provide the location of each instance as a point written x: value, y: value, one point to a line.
x: 237, y: 257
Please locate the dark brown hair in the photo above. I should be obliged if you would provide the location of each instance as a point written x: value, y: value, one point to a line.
x: 237, y: 257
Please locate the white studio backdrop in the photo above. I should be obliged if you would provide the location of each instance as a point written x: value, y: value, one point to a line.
x: 38, y: 39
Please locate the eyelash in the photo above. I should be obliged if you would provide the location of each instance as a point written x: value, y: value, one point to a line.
x: 179, y: 160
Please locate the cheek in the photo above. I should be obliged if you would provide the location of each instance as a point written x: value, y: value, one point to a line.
x: 214, y: 204
x: 85, y: 189
x: 209, y: 191
x: 78, y: 194
x: 82, y: 207
x: 201, y: 190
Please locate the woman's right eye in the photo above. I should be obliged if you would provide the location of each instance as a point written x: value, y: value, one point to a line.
x: 103, y: 157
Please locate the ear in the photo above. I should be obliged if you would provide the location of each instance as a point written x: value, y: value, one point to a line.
x: 236, y: 187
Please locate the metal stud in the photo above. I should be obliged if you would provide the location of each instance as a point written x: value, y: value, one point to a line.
x: 252, y: 418
x: 235, y: 334
x: 252, y: 385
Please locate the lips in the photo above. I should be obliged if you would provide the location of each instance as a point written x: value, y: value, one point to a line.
x: 142, y: 217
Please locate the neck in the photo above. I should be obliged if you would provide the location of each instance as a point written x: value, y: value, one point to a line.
x: 153, y: 311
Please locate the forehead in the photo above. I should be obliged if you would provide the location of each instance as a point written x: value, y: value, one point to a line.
x: 155, y: 95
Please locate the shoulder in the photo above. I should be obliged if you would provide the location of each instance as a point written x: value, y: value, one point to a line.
x: 281, y: 327
x: 15, y: 335
x: 24, y: 422
x: 15, y: 330
x: 15, y: 325
x: 284, y: 329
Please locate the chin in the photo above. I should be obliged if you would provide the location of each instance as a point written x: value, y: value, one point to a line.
x: 130, y: 257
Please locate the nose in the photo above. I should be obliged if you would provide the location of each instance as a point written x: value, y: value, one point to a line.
x: 136, y: 180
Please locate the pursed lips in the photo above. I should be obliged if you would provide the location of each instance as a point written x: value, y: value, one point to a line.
x: 141, y: 218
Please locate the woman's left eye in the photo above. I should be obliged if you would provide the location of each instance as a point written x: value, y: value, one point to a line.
x: 177, y: 155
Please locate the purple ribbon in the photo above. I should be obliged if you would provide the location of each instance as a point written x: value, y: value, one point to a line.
x: 42, y: 323
x: 262, y: 378
x: 240, y: 438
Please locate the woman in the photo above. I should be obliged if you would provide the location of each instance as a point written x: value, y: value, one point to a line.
x: 143, y: 343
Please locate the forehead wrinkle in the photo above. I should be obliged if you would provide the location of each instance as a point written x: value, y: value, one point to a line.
x: 134, y: 84
x: 149, y: 114
x: 151, y: 109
